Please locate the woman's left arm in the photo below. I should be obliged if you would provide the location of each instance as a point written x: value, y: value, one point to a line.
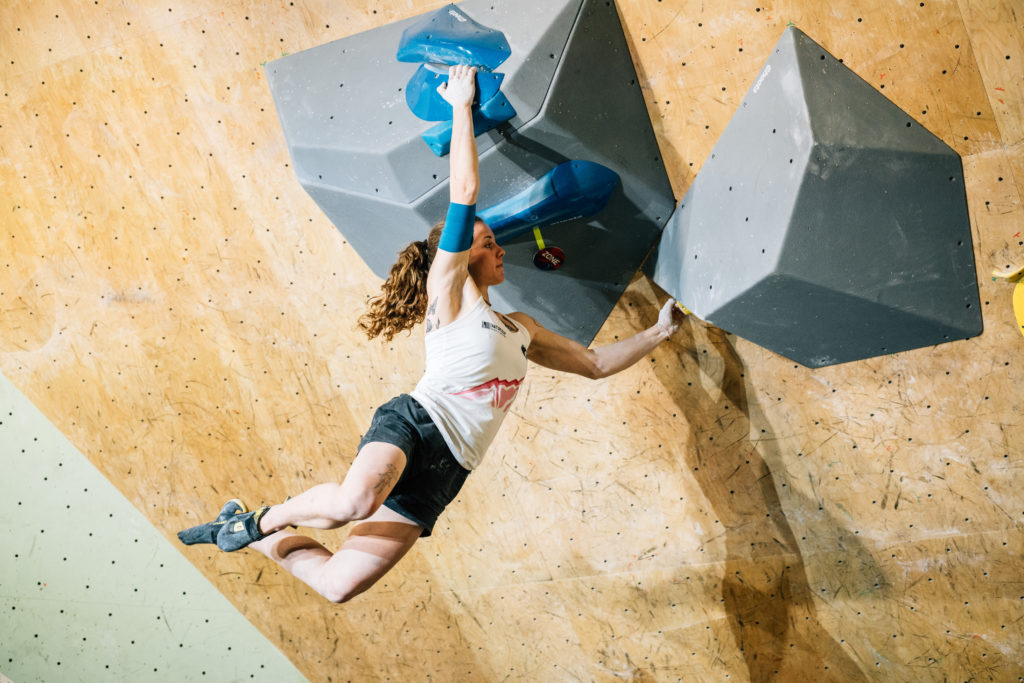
x: 554, y: 351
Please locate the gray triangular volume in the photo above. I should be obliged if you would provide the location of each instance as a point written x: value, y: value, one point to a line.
x: 821, y: 192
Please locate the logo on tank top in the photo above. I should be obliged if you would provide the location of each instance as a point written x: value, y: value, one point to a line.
x: 500, y: 392
x: 492, y: 327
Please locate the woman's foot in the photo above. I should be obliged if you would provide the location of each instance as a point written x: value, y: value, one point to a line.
x: 242, y: 530
x: 207, y: 533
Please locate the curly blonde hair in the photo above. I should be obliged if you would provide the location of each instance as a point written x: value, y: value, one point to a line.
x: 402, y: 303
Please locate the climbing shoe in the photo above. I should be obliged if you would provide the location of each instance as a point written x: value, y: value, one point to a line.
x: 207, y: 533
x: 241, y: 530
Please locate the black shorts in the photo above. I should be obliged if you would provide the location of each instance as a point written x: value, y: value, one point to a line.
x: 432, y: 476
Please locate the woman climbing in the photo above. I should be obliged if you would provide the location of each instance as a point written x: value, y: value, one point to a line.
x: 420, y: 447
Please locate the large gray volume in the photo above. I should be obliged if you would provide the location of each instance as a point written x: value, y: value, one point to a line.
x: 827, y: 225
x: 356, y: 149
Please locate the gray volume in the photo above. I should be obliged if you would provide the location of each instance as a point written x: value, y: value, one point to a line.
x: 827, y: 225
x: 357, y: 150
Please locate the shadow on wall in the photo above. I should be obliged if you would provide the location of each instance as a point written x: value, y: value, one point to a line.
x: 768, y: 601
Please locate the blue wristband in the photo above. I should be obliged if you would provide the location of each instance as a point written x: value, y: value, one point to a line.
x: 457, y: 234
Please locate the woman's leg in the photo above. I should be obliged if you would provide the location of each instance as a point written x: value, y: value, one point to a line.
x: 373, y: 474
x: 372, y: 548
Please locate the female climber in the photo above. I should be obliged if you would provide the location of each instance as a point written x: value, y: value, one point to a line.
x: 420, y: 447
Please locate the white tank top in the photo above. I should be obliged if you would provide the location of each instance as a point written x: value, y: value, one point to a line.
x: 474, y: 367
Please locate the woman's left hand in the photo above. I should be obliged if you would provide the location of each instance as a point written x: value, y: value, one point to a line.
x: 671, y: 317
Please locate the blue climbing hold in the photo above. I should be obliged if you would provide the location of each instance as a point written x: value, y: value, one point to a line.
x: 426, y: 103
x: 490, y: 114
x: 574, y: 189
x: 450, y: 36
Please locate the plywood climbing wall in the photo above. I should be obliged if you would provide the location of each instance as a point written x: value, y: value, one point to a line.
x: 175, y: 304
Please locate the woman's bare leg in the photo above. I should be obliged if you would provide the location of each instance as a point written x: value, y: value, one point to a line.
x: 371, y: 550
x: 373, y: 474
x: 373, y: 546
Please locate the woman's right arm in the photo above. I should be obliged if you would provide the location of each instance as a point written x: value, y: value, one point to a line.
x: 449, y: 270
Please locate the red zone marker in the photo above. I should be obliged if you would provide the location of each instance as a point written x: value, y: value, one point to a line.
x: 547, y: 258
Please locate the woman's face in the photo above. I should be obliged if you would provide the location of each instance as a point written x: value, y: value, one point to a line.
x: 485, y: 257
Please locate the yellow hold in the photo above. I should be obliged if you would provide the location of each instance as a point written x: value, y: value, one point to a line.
x: 1009, y: 273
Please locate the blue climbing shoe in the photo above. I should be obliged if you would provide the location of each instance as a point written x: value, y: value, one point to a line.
x: 241, y: 530
x: 207, y: 533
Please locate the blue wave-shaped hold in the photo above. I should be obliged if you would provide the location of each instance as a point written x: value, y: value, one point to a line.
x: 574, y: 189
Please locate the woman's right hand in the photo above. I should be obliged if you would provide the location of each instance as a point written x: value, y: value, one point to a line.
x: 461, y: 86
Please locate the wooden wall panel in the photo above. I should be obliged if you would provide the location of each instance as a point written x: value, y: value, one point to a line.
x: 179, y: 308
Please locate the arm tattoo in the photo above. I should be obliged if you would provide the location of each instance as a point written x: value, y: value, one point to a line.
x: 386, y: 479
x: 432, y: 321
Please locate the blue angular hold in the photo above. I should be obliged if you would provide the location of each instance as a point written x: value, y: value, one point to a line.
x: 571, y: 190
x: 426, y: 103
x: 450, y: 36
x: 490, y: 114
